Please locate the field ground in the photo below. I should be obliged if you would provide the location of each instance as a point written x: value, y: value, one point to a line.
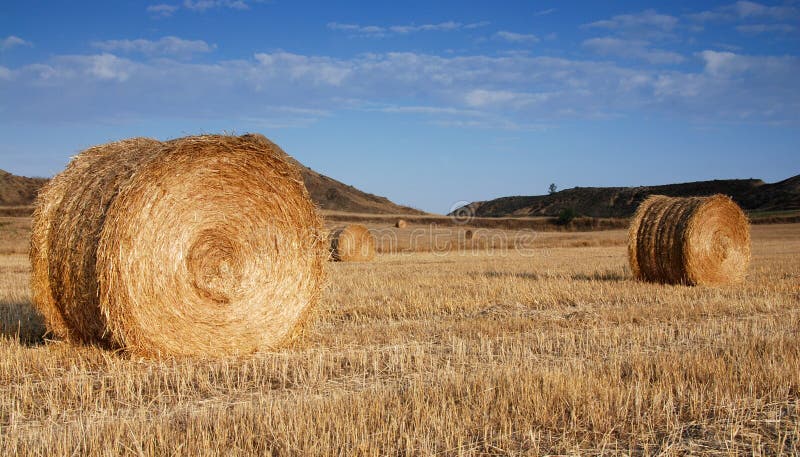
x: 538, y: 345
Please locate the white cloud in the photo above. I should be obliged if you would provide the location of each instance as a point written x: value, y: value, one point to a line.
x: 203, y: 5
x: 481, y: 97
x: 106, y: 67
x: 751, y: 9
x: 766, y: 28
x: 476, y: 25
x: 381, y: 31
x: 545, y: 12
x: 5, y: 73
x: 648, y: 21
x: 516, y: 37
x: 758, y: 70
x: 315, y: 70
x: 169, y: 45
x: 431, y: 110
x: 167, y: 9
x: 11, y: 42
x: 744, y: 10
x: 162, y: 9
x: 513, y: 89
x: 634, y: 49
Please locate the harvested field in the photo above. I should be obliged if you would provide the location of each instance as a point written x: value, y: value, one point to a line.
x: 551, y: 350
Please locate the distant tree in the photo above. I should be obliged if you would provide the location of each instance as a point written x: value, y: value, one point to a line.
x: 552, y: 189
x: 566, y: 216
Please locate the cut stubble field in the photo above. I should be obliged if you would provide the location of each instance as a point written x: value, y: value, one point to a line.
x: 474, y: 348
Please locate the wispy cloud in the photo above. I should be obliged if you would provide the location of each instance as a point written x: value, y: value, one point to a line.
x: 515, y: 89
x: 204, y: 5
x: 162, y: 9
x: 545, y: 12
x: 743, y: 10
x: 381, y: 31
x: 516, y: 37
x: 168, y: 9
x: 633, y: 49
x: 170, y: 45
x: 766, y: 28
x: 12, y: 42
x: 647, y: 22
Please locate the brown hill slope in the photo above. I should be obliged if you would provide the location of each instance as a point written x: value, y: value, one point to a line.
x: 751, y: 194
x: 334, y: 195
x: 18, y: 190
x: 326, y: 192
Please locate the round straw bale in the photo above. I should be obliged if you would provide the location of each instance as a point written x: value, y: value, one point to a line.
x: 694, y: 240
x: 353, y: 243
x: 401, y: 223
x: 206, y: 245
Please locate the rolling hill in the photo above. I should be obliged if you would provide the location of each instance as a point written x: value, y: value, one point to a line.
x: 750, y: 194
x: 327, y: 193
x: 18, y: 190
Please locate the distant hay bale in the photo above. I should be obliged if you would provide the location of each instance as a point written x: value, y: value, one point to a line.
x: 353, y: 243
x: 694, y: 240
x: 468, y: 235
x: 401, y: 223
x: 205, y: 245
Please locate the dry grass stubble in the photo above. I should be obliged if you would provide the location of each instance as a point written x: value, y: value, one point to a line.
x: 419, y: 354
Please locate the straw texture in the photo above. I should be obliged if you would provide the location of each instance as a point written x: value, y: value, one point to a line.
x: 201, y: 246
x: 694, y: 240
x: 353, y: 243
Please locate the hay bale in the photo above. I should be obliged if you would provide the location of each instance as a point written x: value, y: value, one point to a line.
x: 694, y: 240
x: 353, y: 243
x: 401, y: 223
x: 205, y: 245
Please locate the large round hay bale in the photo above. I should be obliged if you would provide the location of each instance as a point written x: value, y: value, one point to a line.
x: 205, y: 245
x: 694, y: 240
x: 353, y: 243
x: 401, y: 223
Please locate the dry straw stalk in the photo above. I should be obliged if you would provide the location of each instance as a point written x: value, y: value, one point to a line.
x: 694, y: 240
x: 205, y: 245
x: 353, y: 243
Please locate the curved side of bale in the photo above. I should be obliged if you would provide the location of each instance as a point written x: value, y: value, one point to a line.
x: 694, y: 240
x: 213, y: 249
x: 401, y: 223
x: 353, y: 243
x: 69, y: 214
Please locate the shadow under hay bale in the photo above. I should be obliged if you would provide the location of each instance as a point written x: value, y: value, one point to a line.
x: 694, y: 240
x: 21, y: 321
x: 353, y: 243
x: 206, y: 245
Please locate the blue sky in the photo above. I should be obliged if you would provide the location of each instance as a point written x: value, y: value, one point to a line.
x: 427, y: 103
